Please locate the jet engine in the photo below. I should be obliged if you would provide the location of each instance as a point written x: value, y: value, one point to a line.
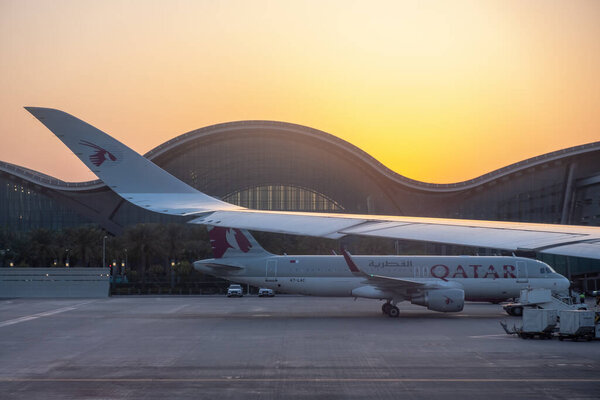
x: 444, y: 300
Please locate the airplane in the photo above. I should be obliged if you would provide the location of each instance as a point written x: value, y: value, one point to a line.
x: 440, y: 283
x: 139, y: 181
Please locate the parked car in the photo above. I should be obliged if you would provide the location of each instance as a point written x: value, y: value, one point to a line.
x: 235, y: 290
x: 264, y: 292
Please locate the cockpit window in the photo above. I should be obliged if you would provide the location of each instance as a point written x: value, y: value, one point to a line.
x: 548, y: 270
x: 543, y: 270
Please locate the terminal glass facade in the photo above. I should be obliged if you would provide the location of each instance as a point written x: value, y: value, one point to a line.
x: 23, y: 209
x: 282, y: 198
x: 277, y: 166
x: 273, y: 171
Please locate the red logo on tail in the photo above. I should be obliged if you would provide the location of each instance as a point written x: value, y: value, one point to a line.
x: 223, y: 239
x: 100, y: 155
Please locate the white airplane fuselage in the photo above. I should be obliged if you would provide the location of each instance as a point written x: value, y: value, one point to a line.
x: 481, y: 278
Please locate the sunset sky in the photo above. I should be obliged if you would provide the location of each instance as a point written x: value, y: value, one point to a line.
x: 439, y: 91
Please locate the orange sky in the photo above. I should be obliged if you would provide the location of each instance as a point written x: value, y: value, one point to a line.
x: 439, y: 91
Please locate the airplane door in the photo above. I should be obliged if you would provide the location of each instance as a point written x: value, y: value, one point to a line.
x: 521, y: 271
x: 271, y: 271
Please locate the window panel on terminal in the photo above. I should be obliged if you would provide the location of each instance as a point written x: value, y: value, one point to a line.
x: 282, y: 197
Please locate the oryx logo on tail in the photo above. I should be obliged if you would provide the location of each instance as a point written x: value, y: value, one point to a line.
x: 100, y: 155
x: 223, y: 239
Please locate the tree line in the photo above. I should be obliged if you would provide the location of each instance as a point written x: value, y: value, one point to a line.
x: 140, y: 249
x: 154, y: 251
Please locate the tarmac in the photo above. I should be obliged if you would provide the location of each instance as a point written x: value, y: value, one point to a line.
x: 293, y: 347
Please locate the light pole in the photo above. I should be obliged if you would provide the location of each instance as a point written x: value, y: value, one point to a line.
x: 67, y: 261
x: 172, y: 274
x: 104, y: 252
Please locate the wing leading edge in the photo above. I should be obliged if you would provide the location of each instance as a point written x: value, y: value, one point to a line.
x: 144, y: 184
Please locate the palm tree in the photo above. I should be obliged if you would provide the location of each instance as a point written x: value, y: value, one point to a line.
x: 86, y: 244
x: 195, y: 244
x: 144, y: 241
x: 174, y: 234
x: 12, y: 245
x: 43, y: 247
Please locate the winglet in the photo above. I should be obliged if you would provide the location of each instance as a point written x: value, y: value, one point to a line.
x: 129, y: 174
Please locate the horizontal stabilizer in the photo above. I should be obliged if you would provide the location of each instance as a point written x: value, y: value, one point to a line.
x: 223, y: 267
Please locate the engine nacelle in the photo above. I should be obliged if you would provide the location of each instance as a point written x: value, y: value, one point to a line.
x: 444, y: 300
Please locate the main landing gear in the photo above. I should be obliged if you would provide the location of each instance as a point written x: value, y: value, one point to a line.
x: 390, y: 310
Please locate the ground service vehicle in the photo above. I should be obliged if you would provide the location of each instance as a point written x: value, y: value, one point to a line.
x: 235, y: 290
x: 577, y: 324
x: 265, y: 292
x: 541, y: 298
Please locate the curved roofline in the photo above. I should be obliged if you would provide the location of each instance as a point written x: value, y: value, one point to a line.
x: 54, y: 183
x: 364, y: 156
x: 48, y: 181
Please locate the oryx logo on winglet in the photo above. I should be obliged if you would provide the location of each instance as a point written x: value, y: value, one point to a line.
x: 100, y: 155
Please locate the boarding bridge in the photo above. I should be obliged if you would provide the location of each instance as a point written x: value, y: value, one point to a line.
x: 54, y: 282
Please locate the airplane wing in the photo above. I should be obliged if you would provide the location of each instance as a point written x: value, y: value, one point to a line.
x: 387, y: 283
x: 143, y: 183
x: 568, y: 240
x: 405, y: 287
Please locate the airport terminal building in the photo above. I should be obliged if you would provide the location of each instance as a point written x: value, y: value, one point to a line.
x: 281, y: 166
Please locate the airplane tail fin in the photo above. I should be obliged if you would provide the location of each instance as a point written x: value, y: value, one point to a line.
x: 233, y: 242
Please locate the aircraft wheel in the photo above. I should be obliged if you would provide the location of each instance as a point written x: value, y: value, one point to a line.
x: 394, y: 312
x: 385, y: 308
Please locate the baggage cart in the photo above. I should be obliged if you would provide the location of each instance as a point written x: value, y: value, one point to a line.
x: 576, y: 324
x: 538, y: 322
